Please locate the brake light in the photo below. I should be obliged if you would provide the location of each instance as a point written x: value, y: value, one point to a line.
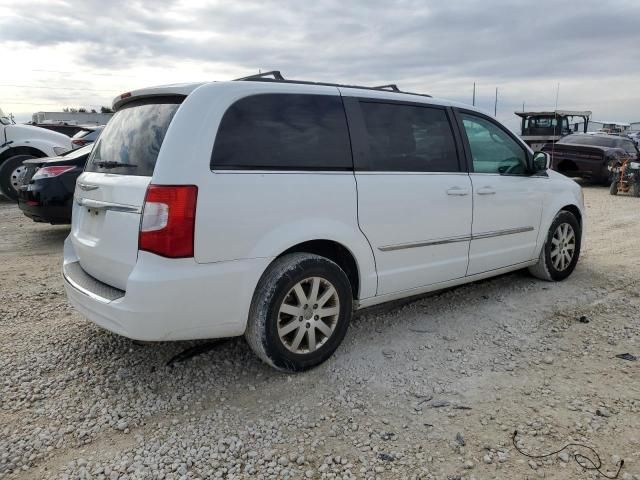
x: 168, y: 220
x: 80, y: 143
x: 48, y: 172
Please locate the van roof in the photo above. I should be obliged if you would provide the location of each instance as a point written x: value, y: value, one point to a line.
x: 384, y: 91
x: 157, y: 91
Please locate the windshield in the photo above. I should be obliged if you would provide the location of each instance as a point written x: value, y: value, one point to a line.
x: 542, y: 122
x: 131, y: 141
x: 4, y: 120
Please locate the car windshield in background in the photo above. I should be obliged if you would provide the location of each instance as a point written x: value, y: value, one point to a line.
x: 130, y: 143
x: 73, y: 154
x: 4, y: 120
x: 82, y: 133
x: 542, y: 122
x: 597, y: 140
x: 93, y: 134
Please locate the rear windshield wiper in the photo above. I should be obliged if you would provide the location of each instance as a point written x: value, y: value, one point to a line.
x: 107, y: 164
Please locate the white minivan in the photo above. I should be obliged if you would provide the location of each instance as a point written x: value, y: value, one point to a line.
x: 274, y: 208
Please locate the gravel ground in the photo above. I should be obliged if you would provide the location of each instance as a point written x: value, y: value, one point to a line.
x: 431, y: 388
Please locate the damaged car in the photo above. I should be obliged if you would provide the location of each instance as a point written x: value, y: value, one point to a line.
x: 589, y: 156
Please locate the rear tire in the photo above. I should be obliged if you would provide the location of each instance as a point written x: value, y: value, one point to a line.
x: 635, y: 189
x: 561, y: 249
x: 613, y: 188
x: 300, y: 312
x: 10, y: 171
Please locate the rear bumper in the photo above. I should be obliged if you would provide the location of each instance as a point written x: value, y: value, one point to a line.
x: 48, y: 200
x: 165, y: 299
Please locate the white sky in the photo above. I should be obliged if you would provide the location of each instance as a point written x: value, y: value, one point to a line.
x: 59, y: 53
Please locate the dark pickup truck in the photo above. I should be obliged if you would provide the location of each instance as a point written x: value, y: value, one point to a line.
x: 589, y: 155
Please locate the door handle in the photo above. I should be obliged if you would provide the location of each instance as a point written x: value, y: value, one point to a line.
x: 486, y: 191
x: 458, y: 191
x: 86, y: 187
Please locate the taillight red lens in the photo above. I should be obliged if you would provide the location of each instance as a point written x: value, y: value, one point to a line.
x: 80, y: 143
x: 168, y: 220
x: 48, y: 172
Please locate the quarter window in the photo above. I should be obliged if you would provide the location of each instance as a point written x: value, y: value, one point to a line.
x: 409, y: 138
x: 493, y: 150
x: 283, y: 132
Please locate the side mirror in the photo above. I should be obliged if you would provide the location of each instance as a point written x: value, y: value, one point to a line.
x: 541, y: 161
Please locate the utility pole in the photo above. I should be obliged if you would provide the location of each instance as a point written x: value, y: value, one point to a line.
x: 473, y: 102
x: 523, y: 107
x: 495, y: 105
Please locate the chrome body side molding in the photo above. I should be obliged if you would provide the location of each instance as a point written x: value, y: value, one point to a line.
x: 466, y: 238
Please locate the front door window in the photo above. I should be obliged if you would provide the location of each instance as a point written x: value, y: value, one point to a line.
x: 492, y: 149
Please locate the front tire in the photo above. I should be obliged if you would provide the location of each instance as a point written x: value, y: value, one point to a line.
x: 613, y: 188
x: 300, y: 312
x: 10, y: 175
x: 561, y: 249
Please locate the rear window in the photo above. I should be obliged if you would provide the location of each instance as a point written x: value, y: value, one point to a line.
x: 131, y: 141
x: 283, y: 132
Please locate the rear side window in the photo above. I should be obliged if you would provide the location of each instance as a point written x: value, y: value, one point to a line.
x: 407, y: 138
x: 131, y: 141
x: 283, y: 132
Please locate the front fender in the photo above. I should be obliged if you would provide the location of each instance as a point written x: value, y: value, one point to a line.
x: 563, y: 192
x: 44, y: 146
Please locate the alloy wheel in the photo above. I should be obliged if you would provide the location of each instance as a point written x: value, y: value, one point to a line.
x: 563, y: 246
x: 308, y: 315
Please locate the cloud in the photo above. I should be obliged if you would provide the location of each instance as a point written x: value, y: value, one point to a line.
x: 414, y: 43
x: 365, y: 38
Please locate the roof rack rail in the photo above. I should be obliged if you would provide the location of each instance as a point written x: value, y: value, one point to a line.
x: 276, y: 76
x: 258, y: 76
x: 391, y: 87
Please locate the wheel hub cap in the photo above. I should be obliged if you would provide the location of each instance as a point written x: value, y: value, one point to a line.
x: 563, y: 246
x: 308, y: 315
x: 16, y: 176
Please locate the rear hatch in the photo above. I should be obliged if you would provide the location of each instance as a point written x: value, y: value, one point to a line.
x: 109, y: 195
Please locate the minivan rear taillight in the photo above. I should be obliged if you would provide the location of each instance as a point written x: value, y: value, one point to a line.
x: 168, y: 220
